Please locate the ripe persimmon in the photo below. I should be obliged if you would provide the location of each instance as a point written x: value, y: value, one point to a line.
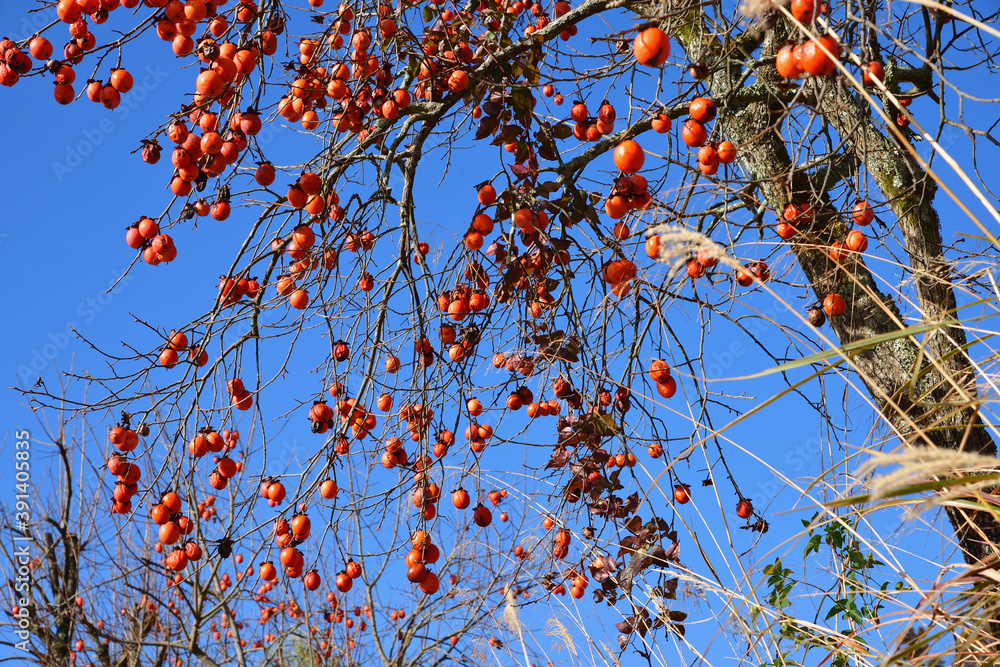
x: 168, y: 358
x: 873, y: 72
x: 661, y: 123
x: 68, y: 11
x: 787, y: 63
x: 785, y: 230
x: 653, y: 246
x: 659, y: 371
x: 299, y: 299
x: 708, y: 155
x: 651, y: 47
x: 702, y: 109
x: 798, y: 213
x: 839, y: 252
x: 682, y: 494
x: 862, y: 213
x: 803, y: 10
x: 744, y: 509
x: 482, y: 516
x: 276, y: 492
x: 743, y: 277
x: 458, y: 81
x: 169, y: 532
x: 629, y: 156
x: 667, y: 388
x: 121, y: 80
x: 694, y: 269
x: 619, y: 271
x: 856, y: 241
x: 40, y: 48
x: 159, y: 514
x: 460, y: 499
x: 210, y: 83
x: 726, y: 152
x: 430, y: 584
x: 694, y: 133
x: 815, y: 61
x: 63, y: 93
x: 834, y: 304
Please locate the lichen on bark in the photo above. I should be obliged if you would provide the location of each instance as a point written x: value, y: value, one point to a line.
x: 916, y: 384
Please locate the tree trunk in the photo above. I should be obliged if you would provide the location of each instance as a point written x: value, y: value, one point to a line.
x: 926, y: 392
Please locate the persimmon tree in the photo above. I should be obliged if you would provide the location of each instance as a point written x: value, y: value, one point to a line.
x: 89, y: 597
x: 638, y: 165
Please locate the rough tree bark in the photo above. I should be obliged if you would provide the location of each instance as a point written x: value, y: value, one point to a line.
x: 925, y: 390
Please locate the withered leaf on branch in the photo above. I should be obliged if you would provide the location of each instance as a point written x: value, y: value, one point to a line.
x: 644, y: 557
x: 560, y: 457
x: 486, y: 127
x: 631, y: 503
x: 496, y: 249
x: 512, y: 275
x: 602, y: 569
x: 521, y: 171
x: 491, y: 109
x: 667, y: 591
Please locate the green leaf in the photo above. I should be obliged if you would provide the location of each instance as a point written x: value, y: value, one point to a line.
x: 562, y: 131
x: 531, y: 74
x: 521, y: 99
x: 547, y: 187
